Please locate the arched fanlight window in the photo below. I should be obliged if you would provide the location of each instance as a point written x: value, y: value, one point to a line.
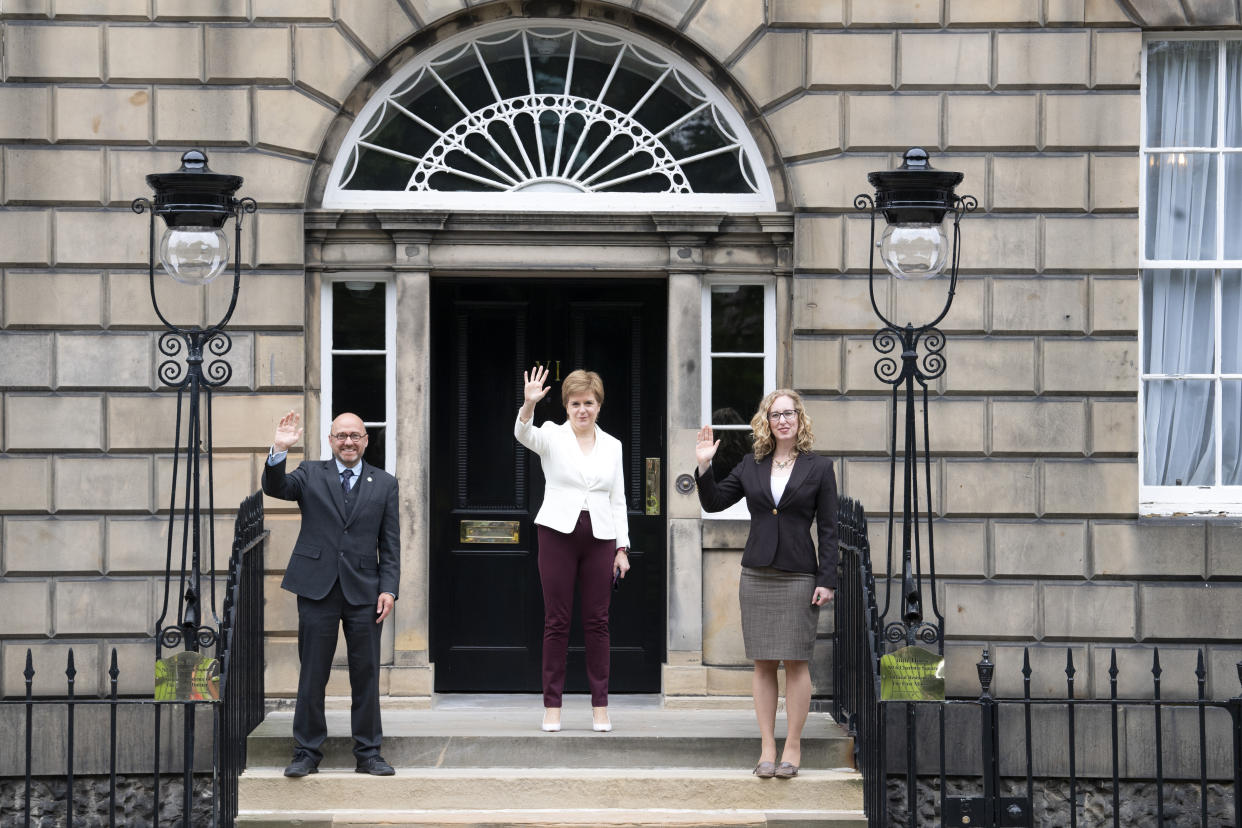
x: 549, y: 115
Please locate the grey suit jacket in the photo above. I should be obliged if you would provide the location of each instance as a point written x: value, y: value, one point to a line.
x: 363, y: 551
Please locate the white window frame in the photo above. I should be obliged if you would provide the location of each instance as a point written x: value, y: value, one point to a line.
x: 763, y: 200
x: 327, y: 351
x: 738, y: 510
x: 1187, y: 500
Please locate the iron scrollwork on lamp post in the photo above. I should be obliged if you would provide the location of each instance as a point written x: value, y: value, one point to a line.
x: 914, y: 201
x: 195, y: 205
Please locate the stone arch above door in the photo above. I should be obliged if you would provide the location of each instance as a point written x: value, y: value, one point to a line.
x: 676, y: 63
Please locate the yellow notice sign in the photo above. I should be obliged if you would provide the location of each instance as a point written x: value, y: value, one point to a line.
x: 912, y: 674
x: 187, y: 676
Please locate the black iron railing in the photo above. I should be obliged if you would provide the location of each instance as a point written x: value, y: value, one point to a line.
x: 1025, y: 761
x: 52, y: 737
x: 1066, y: 761
x: 856, y: 657
x: 241, y: 656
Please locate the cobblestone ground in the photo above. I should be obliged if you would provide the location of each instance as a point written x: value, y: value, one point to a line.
x: 1094, y: 798
x: 90, y: 802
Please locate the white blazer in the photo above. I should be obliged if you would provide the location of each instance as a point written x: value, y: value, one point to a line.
x: 574, y: 481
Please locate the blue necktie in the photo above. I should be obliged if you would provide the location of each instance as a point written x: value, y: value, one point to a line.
x: 345, y: 476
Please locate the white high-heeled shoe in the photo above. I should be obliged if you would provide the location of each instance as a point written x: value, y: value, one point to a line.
x: 601, y: 727
x: 550, y: 727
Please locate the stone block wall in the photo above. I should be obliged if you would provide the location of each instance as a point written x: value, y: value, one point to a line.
x: 1033, y: 425
x: 96, y: 96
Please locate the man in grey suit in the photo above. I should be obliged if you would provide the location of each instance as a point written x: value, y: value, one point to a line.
x: 344, y: 570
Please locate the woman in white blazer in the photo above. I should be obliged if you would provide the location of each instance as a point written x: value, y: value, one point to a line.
x: 583, y: 531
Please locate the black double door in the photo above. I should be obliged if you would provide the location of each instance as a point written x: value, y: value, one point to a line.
x: 486, y: 604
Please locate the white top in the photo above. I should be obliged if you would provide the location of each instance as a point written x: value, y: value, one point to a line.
x: 778, y: 487
x: 574, y: 481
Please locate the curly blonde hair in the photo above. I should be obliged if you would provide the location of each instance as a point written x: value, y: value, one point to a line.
x: 764, y: 443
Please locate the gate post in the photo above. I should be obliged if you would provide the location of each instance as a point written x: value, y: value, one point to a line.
x: 990, y: 810
x: 1235, y: 712
x: 991, y: 740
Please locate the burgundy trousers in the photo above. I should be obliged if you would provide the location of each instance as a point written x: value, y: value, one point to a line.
x: 563, y: 560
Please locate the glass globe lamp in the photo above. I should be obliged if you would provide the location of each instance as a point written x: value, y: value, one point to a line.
x: 194, y: 254
x: 195, y: 203
x: 914, y: 200
x: 914, y: 251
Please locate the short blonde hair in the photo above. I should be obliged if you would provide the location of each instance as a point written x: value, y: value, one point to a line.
x: 764, y: 443
x: 581, y: 381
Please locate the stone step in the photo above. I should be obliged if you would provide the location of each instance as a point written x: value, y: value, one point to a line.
x: 586, y: 818
x: 504, y: 733
x: 266, y: 790
x: 286, y: 703
x: 582, y: 750
x: 483, y: 761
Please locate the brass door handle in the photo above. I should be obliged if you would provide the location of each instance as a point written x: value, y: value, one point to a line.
x: 652, y: 477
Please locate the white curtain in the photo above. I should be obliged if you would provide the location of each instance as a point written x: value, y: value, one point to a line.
x: 1181, y: 186
x: 1178, y: 432
x: 1233, y: 138
x: 1231, y: 280
x: 1178, y: 444
x: 1181, y: 93
x: 1231, y: 390
x: 1233, y: 100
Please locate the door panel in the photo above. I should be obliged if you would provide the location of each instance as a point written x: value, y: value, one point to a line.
x: 486, y: 601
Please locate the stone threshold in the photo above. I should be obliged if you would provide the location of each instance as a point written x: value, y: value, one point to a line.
x: 503, y: 700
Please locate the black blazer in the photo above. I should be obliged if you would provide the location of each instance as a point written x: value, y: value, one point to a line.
x: 782, y: 529
x: 363, y: 551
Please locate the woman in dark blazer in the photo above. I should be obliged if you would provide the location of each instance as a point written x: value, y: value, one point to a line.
x: 783, y: 581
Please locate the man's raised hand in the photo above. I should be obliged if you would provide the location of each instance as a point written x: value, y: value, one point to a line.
x: 288, y: 431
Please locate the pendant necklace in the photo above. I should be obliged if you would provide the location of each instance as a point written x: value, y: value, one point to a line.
x: 777, y: 464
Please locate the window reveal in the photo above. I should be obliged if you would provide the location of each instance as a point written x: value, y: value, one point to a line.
x: 739, y: 321
x: 358, y: 332
x: 1191, y: 380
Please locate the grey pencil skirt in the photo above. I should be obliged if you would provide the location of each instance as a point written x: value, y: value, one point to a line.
x: 778, y: 619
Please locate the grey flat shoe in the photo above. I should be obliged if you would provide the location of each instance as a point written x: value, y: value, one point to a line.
x: 786, y: 770
x: 765, y: 770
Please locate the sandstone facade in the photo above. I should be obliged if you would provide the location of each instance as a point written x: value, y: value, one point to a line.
x: 1034, y: 424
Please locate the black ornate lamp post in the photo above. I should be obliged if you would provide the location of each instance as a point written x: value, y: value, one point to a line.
x: 195, y: 204
x: 915, y: 201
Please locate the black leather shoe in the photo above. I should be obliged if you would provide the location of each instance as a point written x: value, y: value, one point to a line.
x: 301, y: 765
x: 374, y: 765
